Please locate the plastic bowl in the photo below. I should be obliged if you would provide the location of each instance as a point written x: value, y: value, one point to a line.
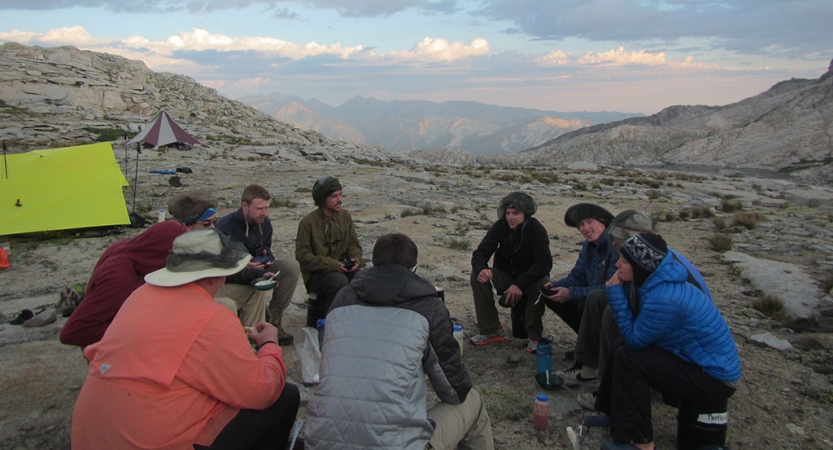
x: 264, y: 283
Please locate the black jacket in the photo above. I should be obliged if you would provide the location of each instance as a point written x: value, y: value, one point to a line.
x: 523, y: 253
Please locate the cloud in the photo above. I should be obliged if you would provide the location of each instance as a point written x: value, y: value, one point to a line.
x: 773, y: 27
x: 433, y: 49
x: 353, y: 8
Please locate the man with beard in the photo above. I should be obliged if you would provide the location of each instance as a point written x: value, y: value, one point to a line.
x: 327, y: 246
x: 250, y: 226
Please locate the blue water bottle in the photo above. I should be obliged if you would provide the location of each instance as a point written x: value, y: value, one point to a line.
x: 320, y: 327
x: 544, y: 356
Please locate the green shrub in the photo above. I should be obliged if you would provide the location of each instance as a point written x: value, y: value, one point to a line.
x: 747, y: 219
x: 720, y: 242
x: 458, y: 243
x: 410, y: 212
x: 727, y: 205
x: 282, y: 202
x: 770, y: 305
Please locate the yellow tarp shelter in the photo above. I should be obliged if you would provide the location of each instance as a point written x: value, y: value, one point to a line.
x: 61, y: 189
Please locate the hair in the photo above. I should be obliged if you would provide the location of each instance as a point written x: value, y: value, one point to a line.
x: 395, y: 248
x: 254, y: 191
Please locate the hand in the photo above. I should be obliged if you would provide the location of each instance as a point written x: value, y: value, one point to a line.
x: 562, y: 295
x: 614, y: 280
x: 513, y: 295
x: 484, y: 276
x: 263, y: 332
x: 254, y: 265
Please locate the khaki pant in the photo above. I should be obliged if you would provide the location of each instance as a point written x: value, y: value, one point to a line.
x: 464, y: 426
x: 251, y: 303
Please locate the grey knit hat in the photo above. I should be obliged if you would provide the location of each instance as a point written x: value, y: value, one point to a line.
x: 518, y: 200
x: 323, y: 187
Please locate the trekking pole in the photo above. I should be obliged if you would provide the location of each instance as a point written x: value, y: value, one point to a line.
x: 136, y: 176
x: 5, y: 161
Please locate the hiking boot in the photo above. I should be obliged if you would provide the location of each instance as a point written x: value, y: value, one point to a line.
x: 284, y: 338
x: 579, y: 375
x: 532, y: 347
x: 610, y: 444
x: 483, y: 339
x: 587, y: 400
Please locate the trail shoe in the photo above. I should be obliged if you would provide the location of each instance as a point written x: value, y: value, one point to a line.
x: 609, y: 444
x: 587, y: 400
x: 532, y: 347
x: 284, y: 338
x: 578, y: 375
x: 483, y: 339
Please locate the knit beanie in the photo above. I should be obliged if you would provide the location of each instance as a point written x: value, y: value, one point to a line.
x: 191, y: 207
x: 644, y: 252
x: 323, y: 187
x: 578, y: 212
x: 518, y: 200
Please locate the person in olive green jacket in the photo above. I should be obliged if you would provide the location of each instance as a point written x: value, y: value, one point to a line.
x: 327, y: 246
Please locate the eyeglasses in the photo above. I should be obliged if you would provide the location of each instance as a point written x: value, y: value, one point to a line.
x: 208, y: 223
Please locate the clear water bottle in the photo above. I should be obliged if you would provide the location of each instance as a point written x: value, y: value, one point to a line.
x: 320, y: 327
x: 458, y: 334
x: 544, y: 356
x: 541, y: 414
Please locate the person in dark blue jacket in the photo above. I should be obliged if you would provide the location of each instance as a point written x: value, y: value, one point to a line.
x: 673, y: 340
x: 595, y: 264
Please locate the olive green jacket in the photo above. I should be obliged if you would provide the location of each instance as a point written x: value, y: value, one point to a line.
x: 324, y: 241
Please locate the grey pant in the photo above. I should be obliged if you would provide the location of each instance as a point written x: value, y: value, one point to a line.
x: 484, y: 304
x: 597, y: 332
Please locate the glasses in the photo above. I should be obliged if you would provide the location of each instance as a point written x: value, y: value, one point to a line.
x: 208, y: 223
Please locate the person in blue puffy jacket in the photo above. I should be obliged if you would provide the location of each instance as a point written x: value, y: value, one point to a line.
x: 673, y: 340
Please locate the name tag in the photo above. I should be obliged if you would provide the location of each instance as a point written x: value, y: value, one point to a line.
x: 714, y: 418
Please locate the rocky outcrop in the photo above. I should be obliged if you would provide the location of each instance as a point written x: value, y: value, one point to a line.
x: 52, y: 97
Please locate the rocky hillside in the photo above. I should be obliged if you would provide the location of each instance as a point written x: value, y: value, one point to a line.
x: 787, y: 128
x: 53, y: 97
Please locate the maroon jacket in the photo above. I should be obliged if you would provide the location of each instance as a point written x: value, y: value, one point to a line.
x: 120, y: 270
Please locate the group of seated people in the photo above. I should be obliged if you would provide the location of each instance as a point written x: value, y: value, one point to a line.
x: 169, y: 319
x: 643, y: 314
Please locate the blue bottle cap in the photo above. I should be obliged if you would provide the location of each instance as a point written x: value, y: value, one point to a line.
x: 320, y: 322
x: 458, y: 328
x: 542, y: 398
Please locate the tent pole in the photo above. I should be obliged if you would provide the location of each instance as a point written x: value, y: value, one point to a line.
x: 5, y: 161
x: 136, y: 176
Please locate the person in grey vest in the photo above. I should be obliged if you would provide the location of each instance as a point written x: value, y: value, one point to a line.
x: 384, y: 333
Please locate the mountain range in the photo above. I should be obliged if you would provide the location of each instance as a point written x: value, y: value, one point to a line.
x: 474, y: 127
x: 59, y: 96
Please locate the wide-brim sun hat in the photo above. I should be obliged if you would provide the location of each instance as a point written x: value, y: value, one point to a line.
x: 629, y: 223
x: 580, y: 211
x: 199, y: 254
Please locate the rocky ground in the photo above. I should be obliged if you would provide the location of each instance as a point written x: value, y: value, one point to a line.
x: 786, y: 398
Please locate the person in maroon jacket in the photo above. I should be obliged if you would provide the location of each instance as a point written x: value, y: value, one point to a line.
x: 119, y: 271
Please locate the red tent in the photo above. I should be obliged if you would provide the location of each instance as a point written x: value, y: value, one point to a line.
x: 162, y: 130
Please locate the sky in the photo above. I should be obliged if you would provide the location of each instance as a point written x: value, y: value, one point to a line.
x: 634, y: 56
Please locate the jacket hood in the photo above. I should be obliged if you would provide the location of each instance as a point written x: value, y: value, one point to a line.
x: 390, y: 284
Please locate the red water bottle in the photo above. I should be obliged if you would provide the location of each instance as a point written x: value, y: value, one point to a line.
x: 541, y: 415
